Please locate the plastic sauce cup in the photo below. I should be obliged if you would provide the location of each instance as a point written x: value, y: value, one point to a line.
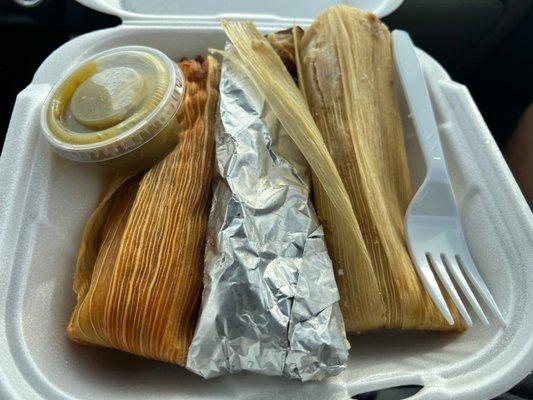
x: 117, y: 109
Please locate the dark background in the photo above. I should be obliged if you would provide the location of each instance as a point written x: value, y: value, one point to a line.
x: 485, y: 44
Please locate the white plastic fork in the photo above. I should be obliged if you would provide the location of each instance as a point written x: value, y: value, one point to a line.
x: 432, y: 224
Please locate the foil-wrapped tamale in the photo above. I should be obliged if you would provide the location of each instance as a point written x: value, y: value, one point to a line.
x: 139, y: 271
x: 270, y: 302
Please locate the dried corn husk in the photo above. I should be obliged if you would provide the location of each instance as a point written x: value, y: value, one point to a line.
x: 346, y: 71
x: 139, y: 270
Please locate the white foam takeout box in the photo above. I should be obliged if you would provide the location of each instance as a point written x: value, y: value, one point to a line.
x: 45, y: 201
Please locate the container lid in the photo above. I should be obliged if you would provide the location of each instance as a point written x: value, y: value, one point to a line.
x: 112, y: 103
x: 293, y: 11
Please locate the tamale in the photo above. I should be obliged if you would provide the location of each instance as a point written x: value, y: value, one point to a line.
x: 346, y: 70
x: 139, y: 270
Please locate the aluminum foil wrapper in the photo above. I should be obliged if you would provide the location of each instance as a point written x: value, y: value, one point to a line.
x: 270, y: 301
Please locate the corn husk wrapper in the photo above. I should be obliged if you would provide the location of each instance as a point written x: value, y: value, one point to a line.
x: 139, y: 271
x: 346, y: 72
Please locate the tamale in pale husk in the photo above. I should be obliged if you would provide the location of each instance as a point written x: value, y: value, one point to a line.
x: 346, y: 71
x: 139, y: 271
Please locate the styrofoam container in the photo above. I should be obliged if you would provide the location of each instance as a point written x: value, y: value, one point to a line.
x: 46, y: 200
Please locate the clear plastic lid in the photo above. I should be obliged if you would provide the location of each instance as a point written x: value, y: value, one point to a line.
x: 112, y: 103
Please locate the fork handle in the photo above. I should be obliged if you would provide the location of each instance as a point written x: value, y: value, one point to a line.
x: 417, y: 97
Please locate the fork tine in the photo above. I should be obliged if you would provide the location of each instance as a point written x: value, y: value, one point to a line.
x: 467, y: 264
x: 431, y: 285
x: 465, y: 287
x: 447, y: 282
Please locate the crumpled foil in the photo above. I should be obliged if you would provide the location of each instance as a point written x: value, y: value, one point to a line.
x: 270, y: 301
